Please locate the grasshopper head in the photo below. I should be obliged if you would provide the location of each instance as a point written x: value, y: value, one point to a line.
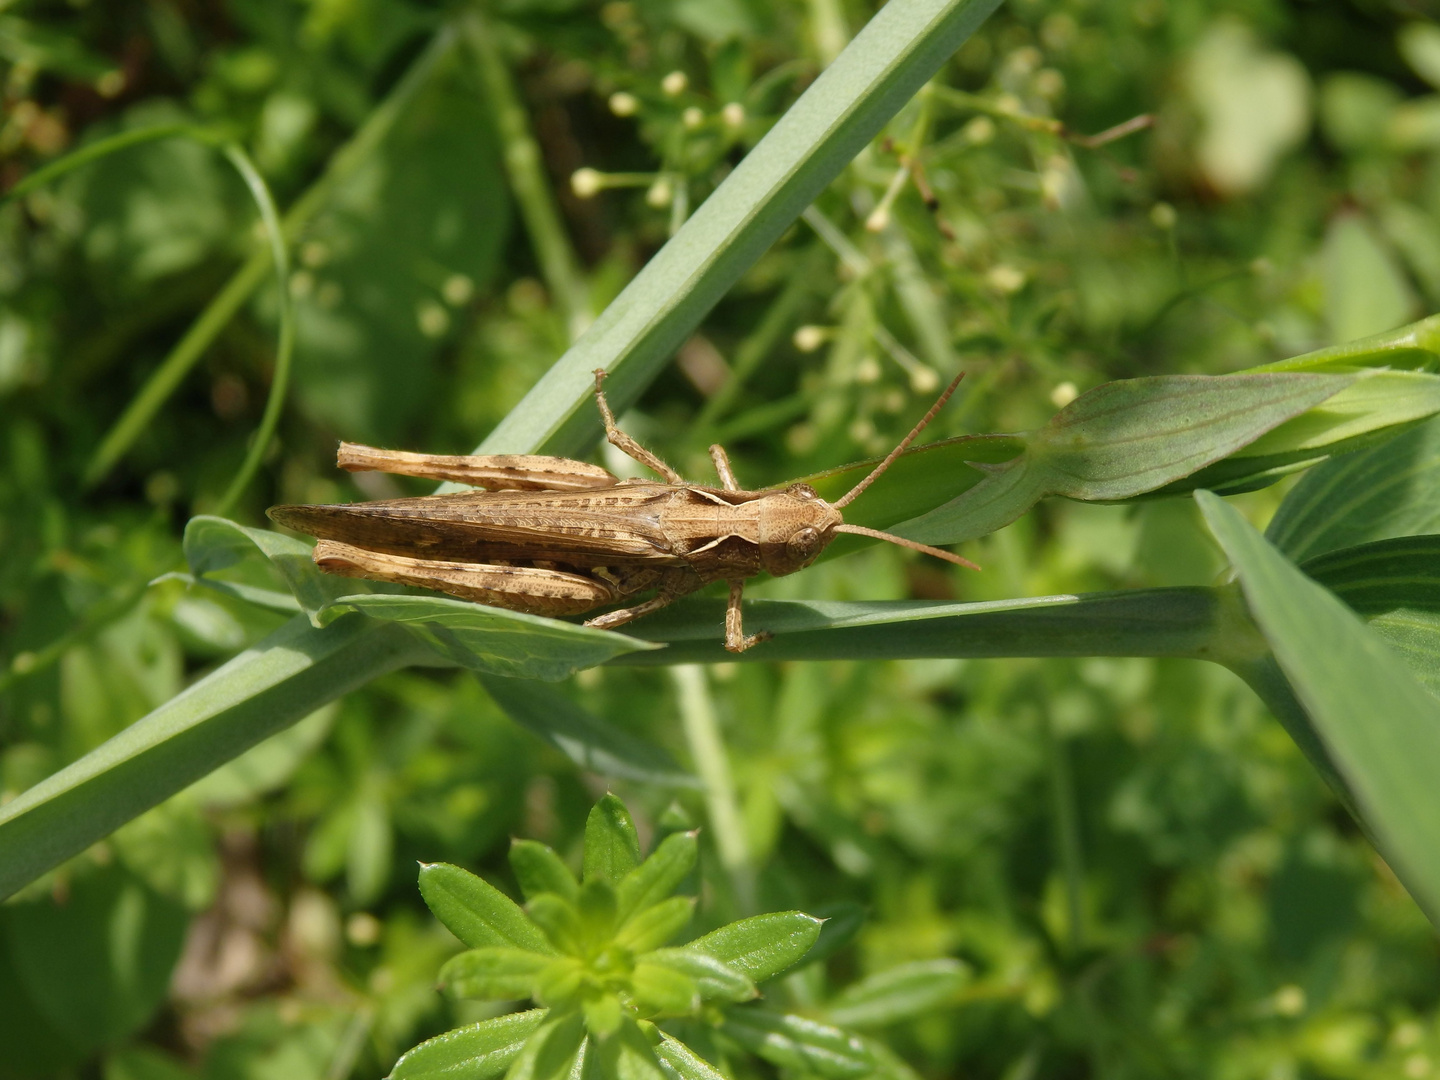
x: 795, y: 527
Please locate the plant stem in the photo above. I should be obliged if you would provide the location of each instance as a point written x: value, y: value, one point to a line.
x: 280, y: 381
x: 707, y: 749
x: 218, y: 313
x: 1067, y: 833
x: 524, y: 166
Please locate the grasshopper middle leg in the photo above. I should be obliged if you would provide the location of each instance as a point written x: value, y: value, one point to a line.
x: 626, y: 443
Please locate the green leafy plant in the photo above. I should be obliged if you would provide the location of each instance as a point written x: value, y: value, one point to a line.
x: 594, y: 953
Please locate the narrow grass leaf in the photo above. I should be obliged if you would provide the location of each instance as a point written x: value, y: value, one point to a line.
x: 1415, y: 346
x: 899, y: 993
x: 901, y: 47
x: 477, y: 1052
x: 1189, y: 621
x: 761, y: 946
x: 492, y: 640
x: 476, y: 912
x: 214, y: 544
x: 265, y: 689
x: 1382, y: 728
x: 1124, y: 439
x: 588, y: 741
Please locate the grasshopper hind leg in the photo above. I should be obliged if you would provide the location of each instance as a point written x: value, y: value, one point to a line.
x: 529, y: 589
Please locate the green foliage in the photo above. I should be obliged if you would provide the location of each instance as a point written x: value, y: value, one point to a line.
x: 1045, y: 841
x: 593, y: 955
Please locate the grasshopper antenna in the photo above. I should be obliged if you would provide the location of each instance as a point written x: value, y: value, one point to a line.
x: 913, y: 545
x: 851, y: 495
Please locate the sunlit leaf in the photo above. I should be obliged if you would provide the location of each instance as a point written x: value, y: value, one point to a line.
x: 794, y: 1042
x: 763, y: 945
x: 477, y: 1052
x: 1381, y: 727
x: 1124, y: 439
x: 476, y: 912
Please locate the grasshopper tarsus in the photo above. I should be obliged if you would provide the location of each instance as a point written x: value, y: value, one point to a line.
x: 551, y: 536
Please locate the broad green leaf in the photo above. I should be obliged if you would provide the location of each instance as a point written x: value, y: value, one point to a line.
x: 263, y: 690
x: 657, y: 924
x: 477, y: 1052
x: 589, y: 742
x: 1124, y: 439
x: 1395, y: 586
x: 1385, y: 491
x: 97, y: 966
x: 213, y: 544
x: 612, y: 847
x: 794, y: 1042
x: 559, y: 920
x: 660, y: 988
x: 901, y: 47
x: 540, y: 870
x: 1366, y: 291
x: 1373, y: 409
x: 492, y: 974
x: 763, y: 945
x: 476, y: 912
x: 490, y: 639
x: 660, y: 874
x: 1188, y: 621
x: 682, y: 1063
x: 714, y: 978
x: 898, y: 993
x: 1382, y: 728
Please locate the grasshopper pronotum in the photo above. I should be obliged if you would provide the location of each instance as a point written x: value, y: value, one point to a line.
x: 550, y: 536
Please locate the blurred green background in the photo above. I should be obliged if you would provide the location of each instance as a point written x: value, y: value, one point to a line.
x: 1141, y: 872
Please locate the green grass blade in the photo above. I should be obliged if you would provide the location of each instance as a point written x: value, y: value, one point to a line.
x: 1381, y: 727
x: 282, y: 679
x: 901, y: 47
x: 1196, y: 622
x: 285, y: 348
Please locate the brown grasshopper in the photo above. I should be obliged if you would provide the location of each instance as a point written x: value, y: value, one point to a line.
x: 550, y: 536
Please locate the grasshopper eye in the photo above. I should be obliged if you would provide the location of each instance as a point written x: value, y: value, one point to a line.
x: 803, y: 491
x: 804, y: 544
